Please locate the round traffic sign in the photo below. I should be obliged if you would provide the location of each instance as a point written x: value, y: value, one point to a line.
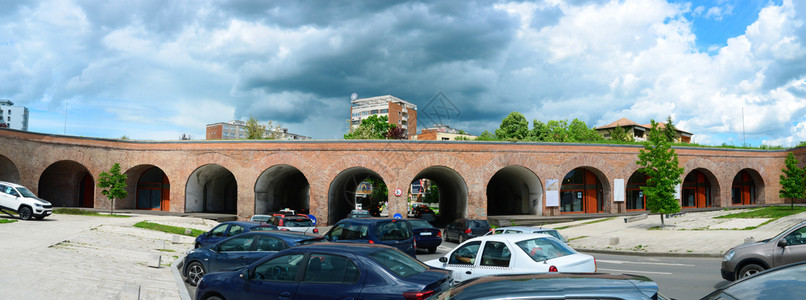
x: 398, y: 192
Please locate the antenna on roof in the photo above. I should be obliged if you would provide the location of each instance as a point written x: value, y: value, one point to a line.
x: 353, y: 96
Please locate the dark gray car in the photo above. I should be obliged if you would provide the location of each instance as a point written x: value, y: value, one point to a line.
x: 748, y: 259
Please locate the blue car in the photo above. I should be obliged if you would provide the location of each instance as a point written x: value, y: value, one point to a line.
x: 239, y: 250
x: 328, y: 271
x: 426, y: 236
x: 392, y: 232
x: 228, y: 229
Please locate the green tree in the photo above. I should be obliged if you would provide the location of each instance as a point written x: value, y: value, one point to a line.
x: 371, y: 128
x: 620, y: 134
x: 792, y: 181
x: 486, y: 136
x: 540, y: 132
x: 557, y: 131
x: 669, y: 130
x: 433, y: 195
x: 513, y: 127
x: 113, y: 185
x: 659, y: 163
x: 578, y: 131
x: 272, y: 130
x: 254, y: 131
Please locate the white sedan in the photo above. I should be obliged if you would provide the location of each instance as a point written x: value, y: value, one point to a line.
x: 512, y: 254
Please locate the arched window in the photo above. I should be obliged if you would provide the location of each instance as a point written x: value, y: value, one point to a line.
x: 635, y: 197
x: 581, y: 192
x: 743, y: 191
x: 696, y: 190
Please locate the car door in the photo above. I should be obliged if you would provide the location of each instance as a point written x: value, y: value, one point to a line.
x: 496, y: 258
x: 6, y: 199
x: 795, y: 250
x: 275, y: 278
x: 462, y: 261
x: 330, y: 276
x: 231, y: 253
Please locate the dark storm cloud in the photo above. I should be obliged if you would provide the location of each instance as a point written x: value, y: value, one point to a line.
x: 292, y: 14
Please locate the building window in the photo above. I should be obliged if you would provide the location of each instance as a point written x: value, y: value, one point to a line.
x: 635, y: 197
x: 446, y: 139
x: 364, y: 113
x: 384, y: 111
x: 581, y: 192
x: 374, y: 112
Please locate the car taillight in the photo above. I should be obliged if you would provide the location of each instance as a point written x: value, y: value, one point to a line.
x: 553, y: 269
x: 595, y: 266
x: 418, y: 295
x: 371, y: 242
x: 316, y: 230
x: 468, y: 230
x: 439, y: 233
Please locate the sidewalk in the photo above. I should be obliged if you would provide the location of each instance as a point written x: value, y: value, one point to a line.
x: 693, y: 233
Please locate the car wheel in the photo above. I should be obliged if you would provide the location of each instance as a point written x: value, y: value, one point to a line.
x: 214, y: 297
x: 195, y: 273
x: 461, y: 238
x: 26, y: 213
x: 749, y: 270
x: 432, y: 249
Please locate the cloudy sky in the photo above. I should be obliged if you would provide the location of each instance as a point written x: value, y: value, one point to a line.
x: 725, y: 70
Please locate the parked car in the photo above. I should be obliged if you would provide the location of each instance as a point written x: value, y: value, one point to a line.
x: 260, y: 218
x: 464, y: 229
x: 748, y: 259
x: 298, y: 223
x: 527, y: 229
x: 513, y: 254
x: 786, y: 282
x: 426, y: 236
x: 228, y: 229
x: 239, y: 250
x: 393, y: 232
x: 328, y: 271
x: 18, y: 199
x: 554, y: 286
x: 358, y: 213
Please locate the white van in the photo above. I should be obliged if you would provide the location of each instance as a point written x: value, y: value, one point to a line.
x: 18, y: 199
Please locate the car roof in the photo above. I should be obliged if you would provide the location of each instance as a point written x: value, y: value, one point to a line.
x: 368, y: 220
x: 514, y: 237
x: 354, y: 248
x: 10, y: 184
x: 556, y: 285
x: 285, y: 234
x: 246, y: 223
x: 525, y: 228
x: 777, y: 283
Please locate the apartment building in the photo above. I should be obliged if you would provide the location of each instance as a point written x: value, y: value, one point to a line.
x: 441, y: 132
x: 639, y: 132
x: 236, y: 129
x: 14, y: 117
x: 400, y: 112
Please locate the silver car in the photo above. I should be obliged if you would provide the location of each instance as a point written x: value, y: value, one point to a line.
x: 748, y: 259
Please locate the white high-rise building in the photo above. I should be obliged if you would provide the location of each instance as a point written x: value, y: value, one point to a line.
x: 14, y: 117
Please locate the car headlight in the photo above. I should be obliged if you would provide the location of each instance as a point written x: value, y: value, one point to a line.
x: 38, y: 205
x: 728, y: 256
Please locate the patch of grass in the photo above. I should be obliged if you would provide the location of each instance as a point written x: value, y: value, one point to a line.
x: 562, y: 227
x: 82, y: 212
x: 601, y: 220
x: 759, y: 225
x: 639, y: 248
x: 167, y: 228
x: 577, y: 238
x: 655, y: 228
x: 772, y: 212
x: 166, y: 250
x: 3, y: 221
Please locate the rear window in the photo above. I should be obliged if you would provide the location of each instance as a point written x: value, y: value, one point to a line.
x: 540, y: 249
x: 477, y: 224
x: 416, y: 224
x: 399, y: 263
x: 349, y: 232
x: 300, y: 222
x: 393, y: 230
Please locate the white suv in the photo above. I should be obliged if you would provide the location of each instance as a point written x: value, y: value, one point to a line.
x: 17, y: 198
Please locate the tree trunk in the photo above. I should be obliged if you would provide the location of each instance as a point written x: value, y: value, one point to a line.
x: 661, y: 221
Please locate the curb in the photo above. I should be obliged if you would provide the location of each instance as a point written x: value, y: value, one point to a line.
x: 180, y: 282
x: 641, y: 253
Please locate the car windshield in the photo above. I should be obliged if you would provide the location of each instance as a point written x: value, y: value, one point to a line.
x: 540, y: 249
x: 416, y: 224
x: 399, y: 263
x: 298, y: 222
x: 393, y: 230
x: 26, y: 193
x: 777, y: 236
x: 261, y: 218
x: 553, y: 233
x: 349, y: 232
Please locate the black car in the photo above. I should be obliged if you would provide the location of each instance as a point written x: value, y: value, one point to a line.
x: 426, y: 236
x: 787, y: 282
x: 329, y: 271
x: 393, y: 232
x: 554, y: 286
x: 465, y: 229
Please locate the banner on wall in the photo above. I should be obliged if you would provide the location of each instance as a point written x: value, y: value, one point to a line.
x: 552, y: 192
x: 618, y: 190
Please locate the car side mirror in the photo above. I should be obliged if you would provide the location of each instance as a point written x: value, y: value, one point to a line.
x: 782, y: 243
x: 245, y: 275
x: 443, y: 259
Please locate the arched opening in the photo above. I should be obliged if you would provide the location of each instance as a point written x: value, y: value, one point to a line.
x: 153, y: 190
x: 636, y: 200
x: 581, y: 192
x: 211, y: 188
x: 514, y: 190
x: 67, y: 183
x: 746, y: 188
x: 281, y: 186
x: 343, y: 194
x: 8, y: 170
x: 451, y: 192
x: 697, y: 191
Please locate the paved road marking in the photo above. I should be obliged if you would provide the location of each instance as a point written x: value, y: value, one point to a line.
x: 619, y: 262
x: 632, y: 271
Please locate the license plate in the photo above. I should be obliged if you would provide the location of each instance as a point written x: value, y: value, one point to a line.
x: 425, y: 233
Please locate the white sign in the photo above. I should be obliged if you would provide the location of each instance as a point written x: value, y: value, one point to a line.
x: 618, y: 190
x: 552, y: 192
x: 398, y: 192
x: 677, y: 191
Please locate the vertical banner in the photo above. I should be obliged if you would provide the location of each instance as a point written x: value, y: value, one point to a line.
x: 552, y: 192
x: 618, y: 190
x: 677, y: 191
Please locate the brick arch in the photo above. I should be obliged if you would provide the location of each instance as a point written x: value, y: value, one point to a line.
x: 343, y: 166
x: 527, y: 162
x: 462, y: 171
x: 601, y: 168
x: 317, y: 191
x: 758, y: 181
x: 67, y: 183
x: 214, y: 182
x: 8, y: 170
x: 708, y: 168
